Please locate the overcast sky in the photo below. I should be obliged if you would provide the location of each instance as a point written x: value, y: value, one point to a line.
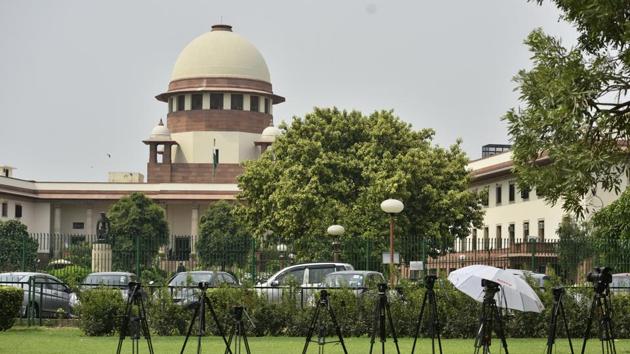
x: 78, y: 78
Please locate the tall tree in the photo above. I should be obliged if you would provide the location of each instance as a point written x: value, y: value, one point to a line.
x: 572, y: 132
x: 223, y: 241
x: 18, y: 251
x: 336, y: 167
x: 136, y: 216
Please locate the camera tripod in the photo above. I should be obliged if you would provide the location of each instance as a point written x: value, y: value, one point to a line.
x: 316, y: 320
x: 381, y: 310
x: 200, y: 310
x: 133, y: 325
x: 434, y: 322
x: 602, y: 308
x: 489, y: 319
x: 558, y: 309
x: 239, y: 333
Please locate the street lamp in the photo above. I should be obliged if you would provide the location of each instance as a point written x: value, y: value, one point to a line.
x: 281, y: 248
x: 335, y: 231
x: 532, y: 241
x: 391, y: 207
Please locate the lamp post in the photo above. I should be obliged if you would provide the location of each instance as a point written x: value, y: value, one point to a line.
x: 391, y: 207
x: 532, y: 241
x: 335, y: 231
x: 281, y: 248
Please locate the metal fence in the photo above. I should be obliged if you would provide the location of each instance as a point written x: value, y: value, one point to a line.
x: 72, y: 257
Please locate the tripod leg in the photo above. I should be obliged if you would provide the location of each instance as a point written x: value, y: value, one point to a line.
x: 337, y: 328
x: 608, y: 325
x: 500, y: 329
x: 415, y: 337
x: 311, y: 328
x: 374, y: 327
x: 589, y: 322
x: 125, y: 322
x: 216, y: 320
x: 435, y: 322
x: 245, y: 339
x: 553, y: 323
x: 192, y: 322
x: 229, y: 341
x: 391, y: 327
x: 145, y: 325
x: 566, y: 324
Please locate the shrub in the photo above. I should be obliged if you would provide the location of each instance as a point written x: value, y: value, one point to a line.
x: 100, y: 310
x: 72, y: 275
x: 165, y: 317
x: 10, y: 304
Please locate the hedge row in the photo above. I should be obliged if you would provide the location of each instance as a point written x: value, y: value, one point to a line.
x: 10, y: 304
x: 458, y: 313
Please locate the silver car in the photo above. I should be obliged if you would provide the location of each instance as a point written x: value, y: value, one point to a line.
x: 183, y: 285
x: 48, y: 296
x: 113, y: 280
x: 308, y: 275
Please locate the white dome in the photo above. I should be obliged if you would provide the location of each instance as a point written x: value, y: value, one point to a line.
x: 220, y: 53
x: 270, y: 134
x: 160, y: 133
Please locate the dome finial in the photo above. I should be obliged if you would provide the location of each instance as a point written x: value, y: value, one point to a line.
x: 222, y: 27
x: 161, y: 123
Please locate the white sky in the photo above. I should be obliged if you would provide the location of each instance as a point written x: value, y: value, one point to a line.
x: 78, y: 78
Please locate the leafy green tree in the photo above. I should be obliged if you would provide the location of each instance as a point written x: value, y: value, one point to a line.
x: 336, y: 167
x: 136, y: 216
x: 572, y: 132
x: 611, y: 231
x: 574, y: 246
x: 18, y: 251
x: 223, y: 241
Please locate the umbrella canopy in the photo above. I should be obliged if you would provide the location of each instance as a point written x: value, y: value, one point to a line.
x: 515, y: 293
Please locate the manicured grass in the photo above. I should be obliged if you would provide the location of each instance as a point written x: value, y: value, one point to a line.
x: 23, y: 340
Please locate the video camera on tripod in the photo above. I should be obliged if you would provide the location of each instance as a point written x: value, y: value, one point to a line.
x: 601, y: 278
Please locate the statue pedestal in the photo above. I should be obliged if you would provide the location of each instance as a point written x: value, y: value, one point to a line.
x: 101, y: 257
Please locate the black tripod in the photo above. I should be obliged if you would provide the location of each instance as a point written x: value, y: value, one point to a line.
x: 134, y: 324
x: 239, y: 333
x: 382, y: 310
x: 200, y: 310
x: 558, y: 309
x: 602, y: 308
x: 489, y: 319
x: 321, y: 338
x: 434, y: 322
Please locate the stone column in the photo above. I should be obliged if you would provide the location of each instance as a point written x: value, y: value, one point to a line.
x: 57, y: 242
x: 152, y: 153
x: 101, y: 257
x: 89, y: 230
x: 166, y: 157
x: 194, y: 229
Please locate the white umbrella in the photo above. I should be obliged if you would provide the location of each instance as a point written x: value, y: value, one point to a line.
x: 515, y: 293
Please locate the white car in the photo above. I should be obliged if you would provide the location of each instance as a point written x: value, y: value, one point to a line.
x: 524, y: 274
x: 307, y: 275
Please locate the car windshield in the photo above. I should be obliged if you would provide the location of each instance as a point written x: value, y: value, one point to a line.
x: 183, y: 279
x: 109, y: 279
x: 344, y: 280
x: 7, y: 278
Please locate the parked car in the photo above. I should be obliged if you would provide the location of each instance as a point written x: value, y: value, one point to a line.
x: 184, y: 285
x: 306, y: 275
x: 620, y: 283
x: 50, y: 293
x: 538, y: 278
x: 119, y: 280
x: 353, y: 279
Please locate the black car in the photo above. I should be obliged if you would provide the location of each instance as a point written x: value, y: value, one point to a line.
x: 184, y: 289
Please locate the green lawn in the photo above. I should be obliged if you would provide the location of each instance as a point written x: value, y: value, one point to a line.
x: 69, y: 340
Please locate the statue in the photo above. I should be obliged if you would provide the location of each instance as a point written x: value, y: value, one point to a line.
x: 102, y: 229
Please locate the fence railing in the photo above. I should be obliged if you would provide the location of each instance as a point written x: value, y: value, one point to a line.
x: 70, y: 257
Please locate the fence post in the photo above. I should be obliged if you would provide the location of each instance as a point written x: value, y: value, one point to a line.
x: 253, y: 260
